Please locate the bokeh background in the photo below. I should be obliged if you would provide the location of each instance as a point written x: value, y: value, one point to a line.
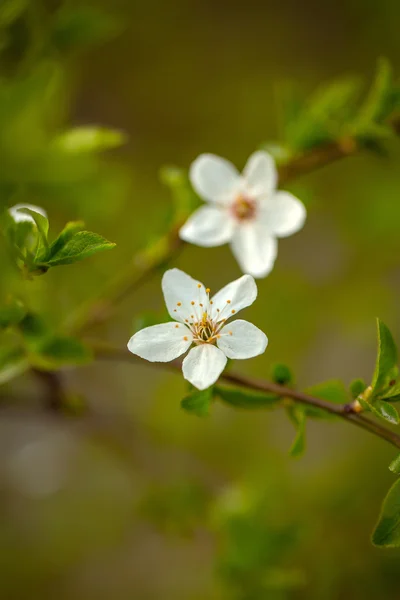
x: 131, y: 497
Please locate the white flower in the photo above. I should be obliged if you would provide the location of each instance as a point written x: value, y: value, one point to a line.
x: 19, y: 217
x: 243, y: 209
x: 201, y: 321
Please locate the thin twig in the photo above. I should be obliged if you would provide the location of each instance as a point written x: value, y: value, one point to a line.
x: 104, y: 351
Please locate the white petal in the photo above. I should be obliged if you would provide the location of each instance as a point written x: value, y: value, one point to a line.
x: 255, y: 249
x: 180, y: 290
x: 283, y: 214
x: 203, y: 365
x: 19, y: 217
x: 208, y: 226
x: 161, y: 343
x: 260, y: 173
x: 214, y: 178
x: 242, y: 339
x: 233, y: 297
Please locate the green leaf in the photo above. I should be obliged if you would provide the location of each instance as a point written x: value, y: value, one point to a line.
x: 386, y: 411
x: 379, y: 102
x: 81, y: 245
x: 67, y: 233
x: 12, y: 313
x: 297, y: 415
x: 42, y: 224
x: 281, y: 374
x: 386, y: 363
x: 357, y: 386
x: 89, y: 139
x: 198, y: 402
x: 333, y: 391
x: 242, y: 398
x: 183, y: 196
x: 59, y: 350
x: 381, y: 409
x: 13, y: 362
x: 387, y: 530
x: 392, y: 393
x: 395, y: 465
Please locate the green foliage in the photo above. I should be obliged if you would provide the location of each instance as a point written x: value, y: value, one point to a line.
x: 78, y: 26
x: 335, y: 114
x: 11, y: 10
x: 242, y: 398
x: 297, y: 415
x: 386, y: 363
x: 333, y: 391
x: 357, y: 387
x: 183, y: 197
x: 382, y: 409
x: 198, y: 402
x: 387, y: 530
x: 38, y: 255
x: 281, y: 374
x: 13, y: 362
x: 395, y: 465
x: 11, y: 313
x: 89, y: 139
x: 57, y: 351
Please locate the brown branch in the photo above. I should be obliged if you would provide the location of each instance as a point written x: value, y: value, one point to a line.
x: 105, y: 351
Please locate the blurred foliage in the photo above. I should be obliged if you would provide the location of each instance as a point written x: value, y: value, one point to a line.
x: 92, y: 507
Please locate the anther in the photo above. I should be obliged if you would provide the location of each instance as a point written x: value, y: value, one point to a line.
x: 208, y: 290
x: 228, y: 301
x: 192, y: 303
x: 185, y: 339
x: 230, y: 332
x: 179, y: 303
x: 176, y: 326
x: 233, y: 311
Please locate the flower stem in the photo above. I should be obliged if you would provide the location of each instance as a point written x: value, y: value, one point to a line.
x: 104, y: 351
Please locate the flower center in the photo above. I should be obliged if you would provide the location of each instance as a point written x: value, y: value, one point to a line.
x: 244, y: 208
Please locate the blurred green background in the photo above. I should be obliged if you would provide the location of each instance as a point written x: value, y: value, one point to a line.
x: 134, y: 498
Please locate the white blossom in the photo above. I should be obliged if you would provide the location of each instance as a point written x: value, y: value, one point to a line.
x: 245, y: 210
x: 19, y: 217
x: 201, y: 322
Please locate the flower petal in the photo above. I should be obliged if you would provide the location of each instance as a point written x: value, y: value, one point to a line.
x: 20, y: 217
x: 208, y: 226
x: 180, y: 290
x: 255, y: 249
x: 260, y: 173
x: 242, y: 339
x: 283, y: 214
x: 233, y: 297
x: 161, y: 343
x: 214, y: 178
x: 203, y: 365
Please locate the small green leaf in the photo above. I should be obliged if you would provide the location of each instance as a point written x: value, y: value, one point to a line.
x: 381, y: 409
x: 333, y: 391
x: 387, y: 530
x: 395, y: 465
x: 81, y: 245
x: 11, y: 313
x: 183, y: 196
x: 59, y: 350
x: 386, y: 363
x: 297, y: 415
x: 89, y: 139
x: 281, y: 374
x: 386, y: 411
x: 379, y: 102
x: 242, y: 398
x: 392, y: 393
x: 42, y: 224
x: 67, y: 233
x: 357, y: 386
x: 198, y: 402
